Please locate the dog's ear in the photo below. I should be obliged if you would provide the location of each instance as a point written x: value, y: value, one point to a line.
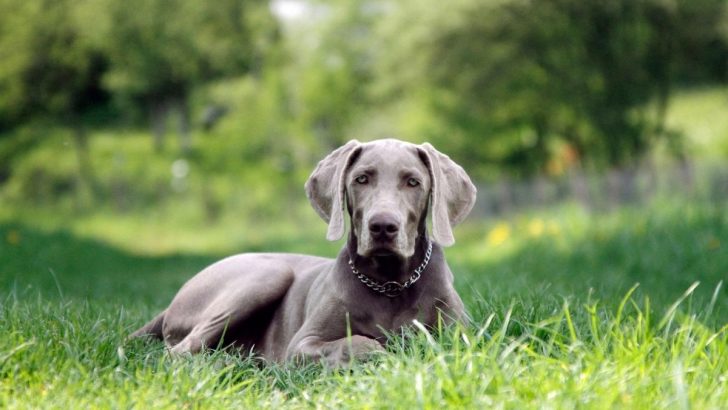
x: 326, y: 187
x: 452, y: 193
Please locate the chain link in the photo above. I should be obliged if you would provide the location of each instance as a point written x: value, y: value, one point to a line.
x: 393, y: 288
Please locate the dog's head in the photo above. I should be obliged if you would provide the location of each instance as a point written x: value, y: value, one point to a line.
x: 388, y: 186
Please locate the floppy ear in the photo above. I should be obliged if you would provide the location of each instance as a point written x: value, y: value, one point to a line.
x: 326, y: 185
x: 452, y: 193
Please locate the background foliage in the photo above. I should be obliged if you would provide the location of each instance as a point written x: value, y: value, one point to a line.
x: 509, y: 87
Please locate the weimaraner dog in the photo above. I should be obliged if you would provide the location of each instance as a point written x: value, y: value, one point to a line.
x: 285, y: 306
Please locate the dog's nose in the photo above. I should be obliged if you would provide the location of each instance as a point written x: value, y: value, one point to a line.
x: 383, y: 226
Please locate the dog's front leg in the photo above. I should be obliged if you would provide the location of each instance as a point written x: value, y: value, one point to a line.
x: 335, y: 353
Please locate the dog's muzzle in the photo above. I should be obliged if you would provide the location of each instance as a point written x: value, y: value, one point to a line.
x: 383, y: 228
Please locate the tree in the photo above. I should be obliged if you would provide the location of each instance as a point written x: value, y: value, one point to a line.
x: 520, y: 83
x: 51, y: 70
x: 160, y: 49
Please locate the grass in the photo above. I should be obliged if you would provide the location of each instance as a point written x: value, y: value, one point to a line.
x: 559, y: 321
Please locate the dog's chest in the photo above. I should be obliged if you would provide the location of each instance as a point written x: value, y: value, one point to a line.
x: 388, y: 316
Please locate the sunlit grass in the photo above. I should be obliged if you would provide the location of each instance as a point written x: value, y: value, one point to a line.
x: 64, y: 354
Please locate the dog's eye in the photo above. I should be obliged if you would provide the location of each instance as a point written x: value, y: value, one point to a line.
x: 413, y: 182
x: 362, y: 179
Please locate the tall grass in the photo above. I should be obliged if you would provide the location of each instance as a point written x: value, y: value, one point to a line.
x: 72, y: 355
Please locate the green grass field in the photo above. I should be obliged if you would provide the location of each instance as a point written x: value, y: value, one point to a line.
x: 559, y: 320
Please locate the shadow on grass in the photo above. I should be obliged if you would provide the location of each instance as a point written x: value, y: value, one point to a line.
x: 60, y: 265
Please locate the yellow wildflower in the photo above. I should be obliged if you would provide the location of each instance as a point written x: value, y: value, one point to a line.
x: 499, y: 234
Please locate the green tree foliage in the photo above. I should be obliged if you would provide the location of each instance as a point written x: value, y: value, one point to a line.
x: 50, y: 69
x: 161, y: 49
x: 49, y: 66
x: 556, y: 80
x: 510, y: 86
x: 61, y: 62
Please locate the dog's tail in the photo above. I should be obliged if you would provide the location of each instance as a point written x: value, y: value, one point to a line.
x: 152, y: 329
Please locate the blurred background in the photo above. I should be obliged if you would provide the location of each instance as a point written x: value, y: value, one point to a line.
x: 172, y: 132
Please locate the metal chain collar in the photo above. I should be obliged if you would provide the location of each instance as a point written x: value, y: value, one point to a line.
x: 393, y: 288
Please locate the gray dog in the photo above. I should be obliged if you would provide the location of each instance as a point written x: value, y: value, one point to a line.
x: 284, y: 306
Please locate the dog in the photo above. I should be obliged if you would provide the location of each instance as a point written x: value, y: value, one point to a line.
x: 390, y: 271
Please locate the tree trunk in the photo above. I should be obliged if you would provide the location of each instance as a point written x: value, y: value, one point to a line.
x: 158, y: 118
x: 86, y: 189
x: 185, y: 138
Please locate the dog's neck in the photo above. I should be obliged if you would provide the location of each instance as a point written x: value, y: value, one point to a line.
x: 390, y: 267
